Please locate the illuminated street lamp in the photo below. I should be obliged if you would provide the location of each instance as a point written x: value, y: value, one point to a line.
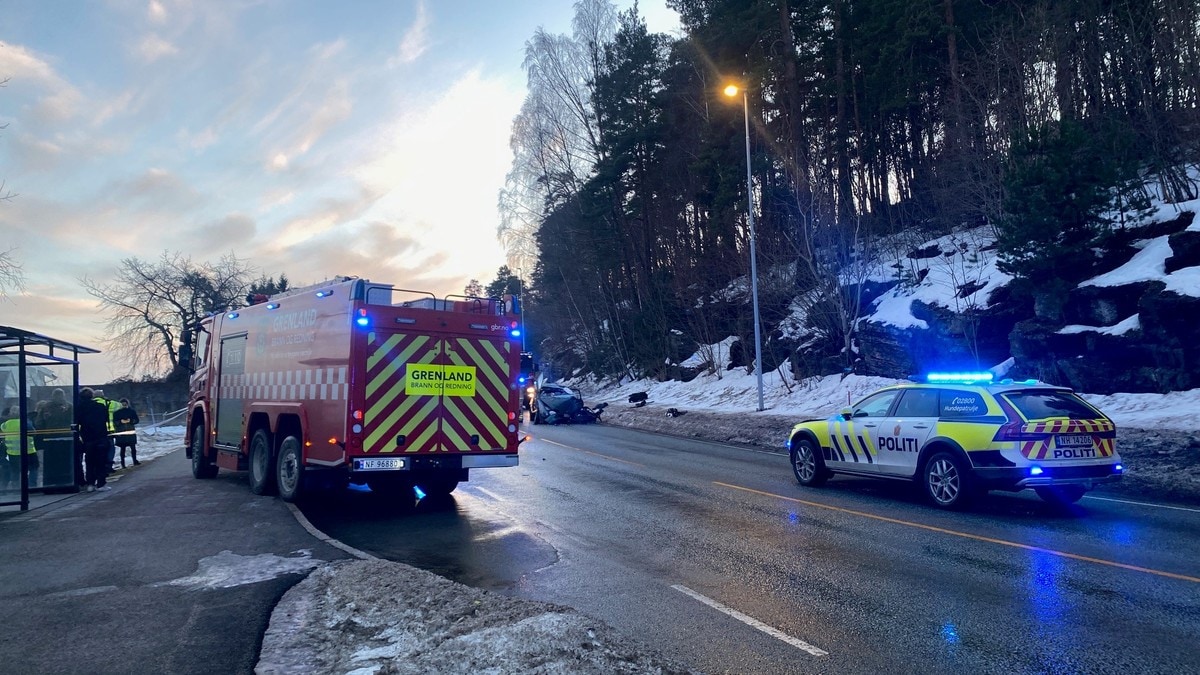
x: 732, y: 91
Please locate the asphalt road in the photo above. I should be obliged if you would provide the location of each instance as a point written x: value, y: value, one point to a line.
x: 162, y: 574
x: 713, y: 555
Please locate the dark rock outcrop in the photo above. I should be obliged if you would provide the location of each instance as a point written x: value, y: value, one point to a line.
x: 1185, y: 247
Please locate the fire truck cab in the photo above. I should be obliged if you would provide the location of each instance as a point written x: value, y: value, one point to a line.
x: 353, y: 381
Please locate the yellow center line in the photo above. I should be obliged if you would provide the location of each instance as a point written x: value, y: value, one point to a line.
x: 967, y: 535
x: 589, y: 452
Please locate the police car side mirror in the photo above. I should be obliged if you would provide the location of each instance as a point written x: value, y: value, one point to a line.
x: 847, y: 413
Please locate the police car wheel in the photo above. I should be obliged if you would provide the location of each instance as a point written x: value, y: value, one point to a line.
x: 807, y: 465
x: 946, y: 481
x: 1061, y: 494
x: 262, y: 465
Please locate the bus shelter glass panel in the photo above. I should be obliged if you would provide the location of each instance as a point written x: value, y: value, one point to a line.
x: 50, y: 460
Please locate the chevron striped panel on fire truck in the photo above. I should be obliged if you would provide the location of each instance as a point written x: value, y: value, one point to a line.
x: 391, y: 414
x: 484, y: 415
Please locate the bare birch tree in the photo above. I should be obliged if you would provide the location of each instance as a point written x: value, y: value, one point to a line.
x: 150, y: 303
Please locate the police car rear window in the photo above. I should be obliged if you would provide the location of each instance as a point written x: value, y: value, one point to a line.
x: 961, y: 403
x: 1040, y: 405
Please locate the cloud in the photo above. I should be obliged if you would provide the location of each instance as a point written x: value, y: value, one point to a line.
x: 328, y: 215
x: 210, y: 240
x: 59, y: 100
x: 120, y: 104
x: 155, y: 12
x: 415, y: 42
x: 199, y: 140
x: 377, y: 251
x: 319, y: 100
x: 30, y: 153
x: 429, y: 190
x: 153, y: 48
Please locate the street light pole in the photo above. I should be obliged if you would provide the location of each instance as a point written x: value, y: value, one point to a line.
x: 732, y: 90
x: 520, y: 290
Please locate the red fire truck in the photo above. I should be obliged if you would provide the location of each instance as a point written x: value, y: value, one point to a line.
x: 354, y: 381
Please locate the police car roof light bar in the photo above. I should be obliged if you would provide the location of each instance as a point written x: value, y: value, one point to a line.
x: 959, y: 378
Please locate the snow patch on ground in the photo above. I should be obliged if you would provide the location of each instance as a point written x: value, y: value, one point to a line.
x: 228, y: 569
x: 376, y: 616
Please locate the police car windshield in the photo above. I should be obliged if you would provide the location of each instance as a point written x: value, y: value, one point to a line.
x: 1040, y: 405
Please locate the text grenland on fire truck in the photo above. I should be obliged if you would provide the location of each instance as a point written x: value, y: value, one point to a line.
x: 353, y: 381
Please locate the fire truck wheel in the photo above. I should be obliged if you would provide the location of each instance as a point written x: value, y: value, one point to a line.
x: 262, y: 464
x: 438, y: 486
x: 289, y: 470
x: 202, y: 466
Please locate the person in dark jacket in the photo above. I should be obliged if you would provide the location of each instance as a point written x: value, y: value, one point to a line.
x: 124, y: 421
x: 92, y: 418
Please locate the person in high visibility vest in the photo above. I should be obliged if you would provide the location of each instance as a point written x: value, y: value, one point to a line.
x: 111, y: 407
x: 10, y: 432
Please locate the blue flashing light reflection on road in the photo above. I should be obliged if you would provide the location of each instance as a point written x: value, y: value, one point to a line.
x: 419, y: 492
x: 1035, y: 471
x: 950, y: 633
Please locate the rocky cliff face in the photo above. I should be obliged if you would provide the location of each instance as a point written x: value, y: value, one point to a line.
x: 1137, y: 336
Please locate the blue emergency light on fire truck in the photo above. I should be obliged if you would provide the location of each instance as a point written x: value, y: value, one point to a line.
x: 353, y: 381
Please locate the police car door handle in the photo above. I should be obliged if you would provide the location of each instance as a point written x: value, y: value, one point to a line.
x: 920, y: 426
x: 870, y: 424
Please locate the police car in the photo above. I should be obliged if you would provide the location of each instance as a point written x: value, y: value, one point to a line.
x: 959, y: 435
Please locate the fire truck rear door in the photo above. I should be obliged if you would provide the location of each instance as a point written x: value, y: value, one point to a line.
x: 476, y: 394
x: 400, y: 415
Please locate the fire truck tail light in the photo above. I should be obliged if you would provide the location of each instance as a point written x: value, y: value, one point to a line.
x: 308, y: 444
x: 363, y: 319
x: 511, y: 416
x: 358, y: 415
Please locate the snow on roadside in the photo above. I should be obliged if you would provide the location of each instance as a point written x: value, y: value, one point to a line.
x: 735, y: 391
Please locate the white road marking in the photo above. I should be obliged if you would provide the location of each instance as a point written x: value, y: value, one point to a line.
x: 752, y: 622
x: 489, y: 493
x: 1157, y: 506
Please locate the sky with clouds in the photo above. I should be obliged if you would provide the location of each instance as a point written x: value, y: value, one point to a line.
x: 310, y: 137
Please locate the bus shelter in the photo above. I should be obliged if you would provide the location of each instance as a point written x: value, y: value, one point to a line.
x: 39, y: 385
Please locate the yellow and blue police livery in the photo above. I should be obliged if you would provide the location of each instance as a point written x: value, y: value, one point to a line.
x: 961, y: 434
